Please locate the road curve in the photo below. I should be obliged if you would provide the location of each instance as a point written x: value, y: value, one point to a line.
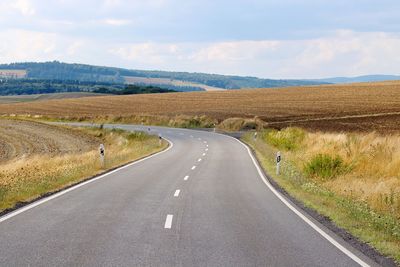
x: 201, y: 203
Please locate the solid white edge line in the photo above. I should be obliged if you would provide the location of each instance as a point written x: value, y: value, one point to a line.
x: 56, y: 195
x: 168, y: 221
x: 186, y: 177
x: 298, y: 213
x: 194, y: 167
x: 177, y: 193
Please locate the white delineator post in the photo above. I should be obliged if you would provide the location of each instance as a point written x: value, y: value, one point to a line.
x: 278, y: 162
x: 255, y: 136
x: 160, y: 139
x: 102, y: 152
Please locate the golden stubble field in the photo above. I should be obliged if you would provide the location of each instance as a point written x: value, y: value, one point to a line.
x: 364, y: 106
x: 23, y: 139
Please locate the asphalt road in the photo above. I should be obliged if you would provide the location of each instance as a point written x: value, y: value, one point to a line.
x: 200, y: 203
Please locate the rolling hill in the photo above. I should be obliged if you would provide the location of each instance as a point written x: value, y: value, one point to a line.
x: 180, y: 81
x: 361, y: 79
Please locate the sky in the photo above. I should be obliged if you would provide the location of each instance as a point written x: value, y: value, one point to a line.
x: 269, y: 39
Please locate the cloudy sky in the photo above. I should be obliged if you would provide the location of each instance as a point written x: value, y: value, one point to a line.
x: 264, y: 38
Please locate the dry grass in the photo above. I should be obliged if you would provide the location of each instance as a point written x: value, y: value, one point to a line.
x: 240, y: 124
x: 329, y: 107
x: 374, y: 160
x: 27, y: 178
x: 362, y: 194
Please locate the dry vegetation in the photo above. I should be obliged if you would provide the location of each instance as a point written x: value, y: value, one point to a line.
x: 359, y: 107
x: 60, y: 156
x: 22, y: 139
x: 353, y: 178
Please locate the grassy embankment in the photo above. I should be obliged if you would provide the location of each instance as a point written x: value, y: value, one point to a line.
x: 29, y: 178
x: 353, y: 179
x: 179, y: 121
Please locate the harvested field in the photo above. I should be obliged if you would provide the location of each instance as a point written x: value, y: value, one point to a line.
x: 359, y: 107
x: 22, y: 139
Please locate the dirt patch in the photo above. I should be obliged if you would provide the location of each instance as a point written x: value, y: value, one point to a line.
x: 21, y: 139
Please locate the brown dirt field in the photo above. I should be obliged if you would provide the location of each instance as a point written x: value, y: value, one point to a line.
x: 330, y: 106
x: 21, y: 139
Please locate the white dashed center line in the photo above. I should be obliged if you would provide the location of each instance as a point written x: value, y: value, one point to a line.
x: 186, y: 177
x: 205, y: 142
x: 206, y: 149
x: 204, y: 154
x: 177, y: 193
x: 194, y: 167
x: 168, y: 221
x: 199, y: 160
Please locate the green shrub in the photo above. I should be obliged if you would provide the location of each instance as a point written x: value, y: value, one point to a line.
x: 138, y: 136
x: 286, y: 139
x: 325, y: 166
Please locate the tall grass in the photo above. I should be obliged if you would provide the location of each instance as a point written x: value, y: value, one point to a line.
x: 181, y: 121
x: 353, y: 178
x: 31, y: 177
x: 240, y: 124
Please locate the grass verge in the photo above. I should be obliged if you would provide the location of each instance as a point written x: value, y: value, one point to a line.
x: 303, y: 178
x: 177, y: 121
x: 29, y: 178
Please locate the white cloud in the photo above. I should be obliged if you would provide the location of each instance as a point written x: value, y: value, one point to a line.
x: 116, y: 22
x: 145, y: 53
x: 10, y: 8
x: 345, y: 53
x: 235, y: 51
x: 21, y: 45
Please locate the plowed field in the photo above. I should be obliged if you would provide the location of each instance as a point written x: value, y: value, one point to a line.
x: 364, y: 106
x: 21, y: 139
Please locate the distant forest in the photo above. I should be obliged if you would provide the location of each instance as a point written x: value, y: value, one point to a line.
x: 79, y: 72
x: 34, y: 86
x: 133, y: 89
